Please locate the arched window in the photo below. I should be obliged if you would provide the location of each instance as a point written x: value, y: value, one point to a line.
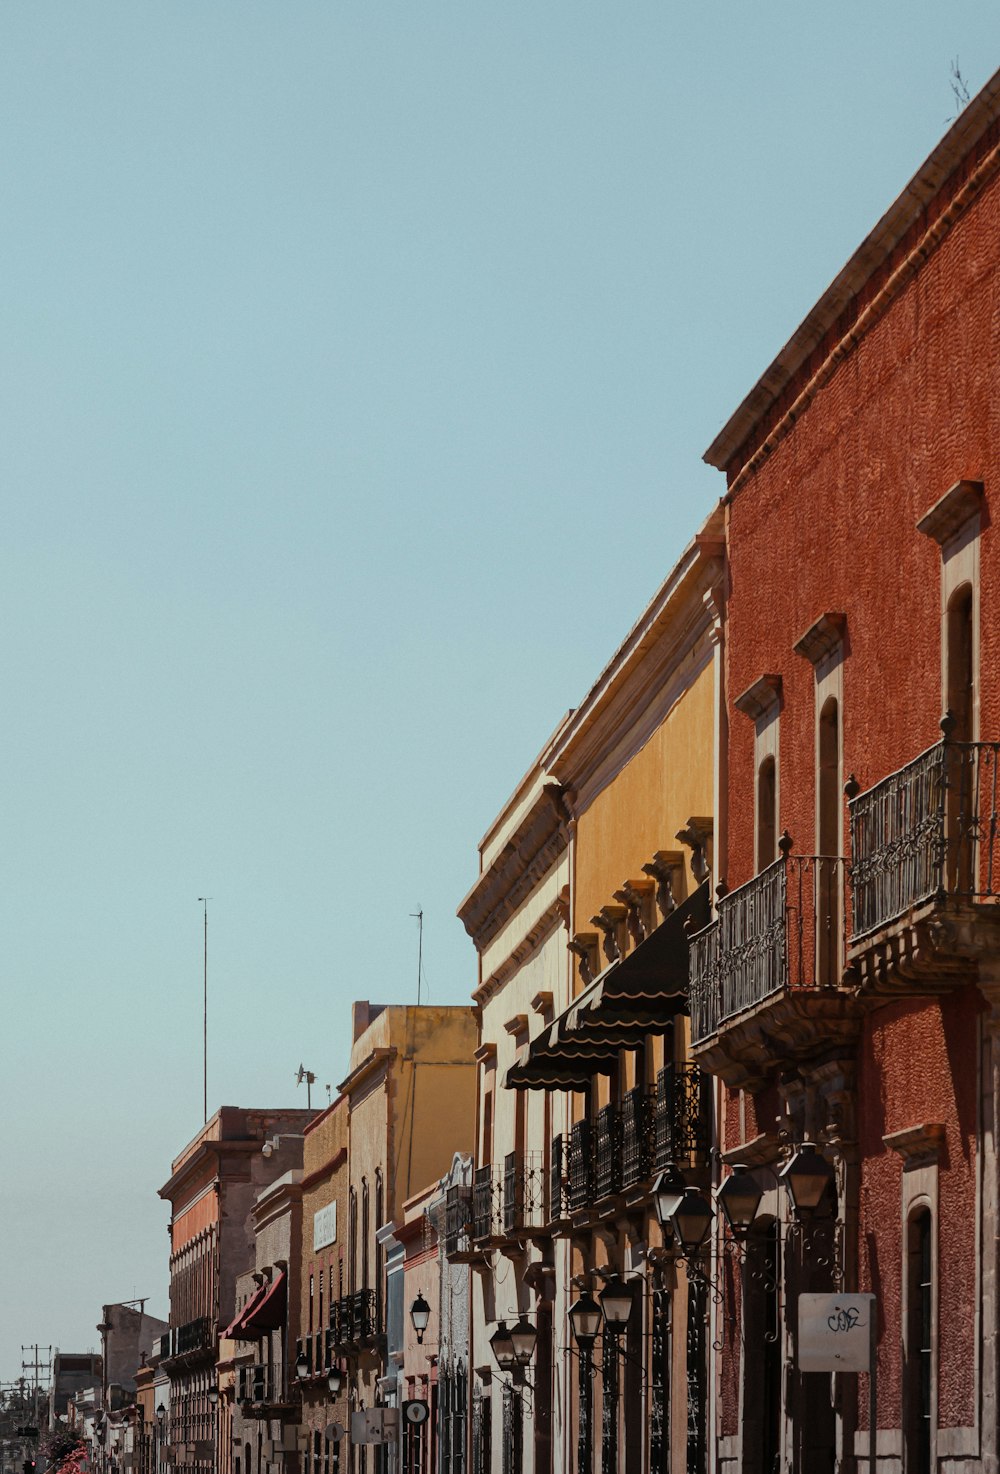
x: 365, y: 1232
x: 352, y: 1230
x: 379, y: 1250
x: 959, y: 691
x: 827, y: 880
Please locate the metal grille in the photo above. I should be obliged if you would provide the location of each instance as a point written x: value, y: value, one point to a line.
x: 585, y: 1394
x: 682, y: 1115
x: 523, y: 1191
x: 659, y: 1386
x: 256, y: 1384
x: 513, y: 1431
x: 637, y: 1137
x: 457, y: 1215
x: 697, y: 1375
x: 482, y: 1203
x: 609, y: 1405
x: 608, y: 1141
x: 783, y: 929
x: 580, y: 1175
x: 558, y: 1166
x: 927, y: 831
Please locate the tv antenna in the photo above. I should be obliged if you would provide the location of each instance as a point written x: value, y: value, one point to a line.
x: 307, y: 1075
x: 204, y: 1017
x: 418, y: 917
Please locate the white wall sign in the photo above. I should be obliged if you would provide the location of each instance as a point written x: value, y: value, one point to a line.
x: 325, y: 1226
x: 835, y: 1332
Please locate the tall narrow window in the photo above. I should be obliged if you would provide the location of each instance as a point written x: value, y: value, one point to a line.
x: 959, y: 693
x: 919, y: 1362
x: 826, y: 881
x: 365, y: 1232
x: 767, y: 814
x: 962, y: 767
x: 486, y: 1156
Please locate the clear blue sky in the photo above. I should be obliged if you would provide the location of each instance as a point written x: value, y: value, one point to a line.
x: 356, y: 363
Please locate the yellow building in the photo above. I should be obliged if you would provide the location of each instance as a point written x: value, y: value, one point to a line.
x: 589, y: 880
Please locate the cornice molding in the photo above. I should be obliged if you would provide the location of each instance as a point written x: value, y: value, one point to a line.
x: 551, y: 917
x: 757, y: 700
x: 520, y: 866
x: 919, y: 1146
x: 822, y: 637
x: 960, y: 504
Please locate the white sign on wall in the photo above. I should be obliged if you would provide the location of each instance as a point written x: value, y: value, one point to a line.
x: 325, y: 1226
x: 835, y: 1332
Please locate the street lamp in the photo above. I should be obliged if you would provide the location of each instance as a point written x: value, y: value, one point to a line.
x: 806, y: 1176
x: 161, y: 1413
x: 502, y: 1346
x: 420, y: 1314
x: 585, y: 1320
x: 692, y: 1220
x: 523, y: 1337
x: 616, y: 1304
x: 213, y: 1396
x: 668, y: 1189
x: 335, y: 1380
x: 739, y: 1198
x: 302, y: 1366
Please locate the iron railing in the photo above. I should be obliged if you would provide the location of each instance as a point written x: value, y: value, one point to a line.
x: 607, y: 1135
x: 558, y: 1204
x: 257, y: 1384
x: 580, y: 1166
x: 195, y: 1335
x: 782, y: 930
x: 524, y: 1189
x: 354, y: 1321
x: 926, y: 832
x: 484, y: 1203
x: 681, y: 1115
x: 637, y: 1136
x: 457, y: 1219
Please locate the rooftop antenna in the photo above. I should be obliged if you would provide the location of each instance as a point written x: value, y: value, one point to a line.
x: 307, y: 1075
x: 204, y: 1020
x: 418, y: 916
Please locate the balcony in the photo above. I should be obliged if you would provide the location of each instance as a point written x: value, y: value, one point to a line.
x: 194, y: 1339
x: 259, y: 1389
x: 925, y: 869
x: 637, y: 1137
x: 766, y: 981
x: 607, y: 1137
x: 580, y: 1187
x: 458, y: 1244
x: 682, y: 1130
x: 558, y: 1204
x: 485, y: 1205
x: 524, y: 1187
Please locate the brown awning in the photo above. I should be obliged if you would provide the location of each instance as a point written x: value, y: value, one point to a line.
x: 235, y: 1329
x: 268, y: 1313
x: 638, y: 996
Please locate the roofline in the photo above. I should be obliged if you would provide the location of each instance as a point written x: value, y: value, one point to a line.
x: 873, y: 252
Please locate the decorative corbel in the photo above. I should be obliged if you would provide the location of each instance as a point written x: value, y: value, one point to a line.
x: 584, y: 946
x: 666, y: 868
x: 697, y: 835
x: 634, y: 896
x: 609, y: 920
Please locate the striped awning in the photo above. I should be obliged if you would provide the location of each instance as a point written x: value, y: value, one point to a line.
x: 640, y: 995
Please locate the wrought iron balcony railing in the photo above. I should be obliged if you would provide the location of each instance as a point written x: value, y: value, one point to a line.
x: 637, y: 1137
x: 524, y: 1187
x: 682, y: 1115
x: 195, y: 1335
x: 457, y: 1219
x: 782, y: 931
x: 926, y: 832
x: 558, y: 1204
x: 485, y: 1202
x: 580, y: 1166
x: 258, y: 1384
x: 607, y: 1135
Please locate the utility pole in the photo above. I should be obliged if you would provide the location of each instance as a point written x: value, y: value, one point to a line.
x: 204, y: 1021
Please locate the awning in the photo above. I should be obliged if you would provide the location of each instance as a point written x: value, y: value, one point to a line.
x: 638, y: 996
x: 235, y: 1330
x: 268, y: 1313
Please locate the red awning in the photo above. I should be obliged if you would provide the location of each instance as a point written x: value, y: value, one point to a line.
x: 236, y: 1328
x: 268, y: 1313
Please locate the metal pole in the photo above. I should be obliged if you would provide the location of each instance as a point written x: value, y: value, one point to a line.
x: 204, y: 1018
x: 872, y: 1392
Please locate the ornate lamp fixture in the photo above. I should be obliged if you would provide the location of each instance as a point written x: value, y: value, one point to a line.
x: 739, y: 1198
x: 420, y: 1314
x: 806, y: 1176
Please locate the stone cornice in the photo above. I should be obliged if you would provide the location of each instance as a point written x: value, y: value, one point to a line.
x: 550, y: 918
x: 919, y: 1146
x: 822, y: 637
x: 959, y: 505
x: 378, y: 1057
x: 524, y: 861
x: 759, y: 698
x: 874, y: 254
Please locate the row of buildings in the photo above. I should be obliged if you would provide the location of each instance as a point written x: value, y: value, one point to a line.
x: 733, y: 1039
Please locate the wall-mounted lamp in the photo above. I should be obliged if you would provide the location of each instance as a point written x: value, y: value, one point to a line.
x: 420, y: 1314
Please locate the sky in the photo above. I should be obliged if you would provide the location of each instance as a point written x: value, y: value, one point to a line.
x: 356, y: 365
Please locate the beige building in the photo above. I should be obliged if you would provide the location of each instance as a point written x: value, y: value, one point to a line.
x: 589, y: 880
x: 411, y: 1105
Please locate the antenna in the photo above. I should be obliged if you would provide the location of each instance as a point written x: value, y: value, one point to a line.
x: 204, y: 1029
x: 307, y: 1075
x: 418, y: 916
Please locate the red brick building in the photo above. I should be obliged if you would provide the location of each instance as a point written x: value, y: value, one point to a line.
x: 846, y: 993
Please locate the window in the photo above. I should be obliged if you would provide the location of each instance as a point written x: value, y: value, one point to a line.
x: 827, y: 882
x: 767, y: 814
x: 919, y: 1360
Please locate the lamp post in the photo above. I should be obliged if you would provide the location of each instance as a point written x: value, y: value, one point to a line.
x: 335, y: 1380
x: 585, y: 1322
x: 739, y: 1198
x: 302, y: 1366
x: 420, y: 1314
x: 806, y: 1176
